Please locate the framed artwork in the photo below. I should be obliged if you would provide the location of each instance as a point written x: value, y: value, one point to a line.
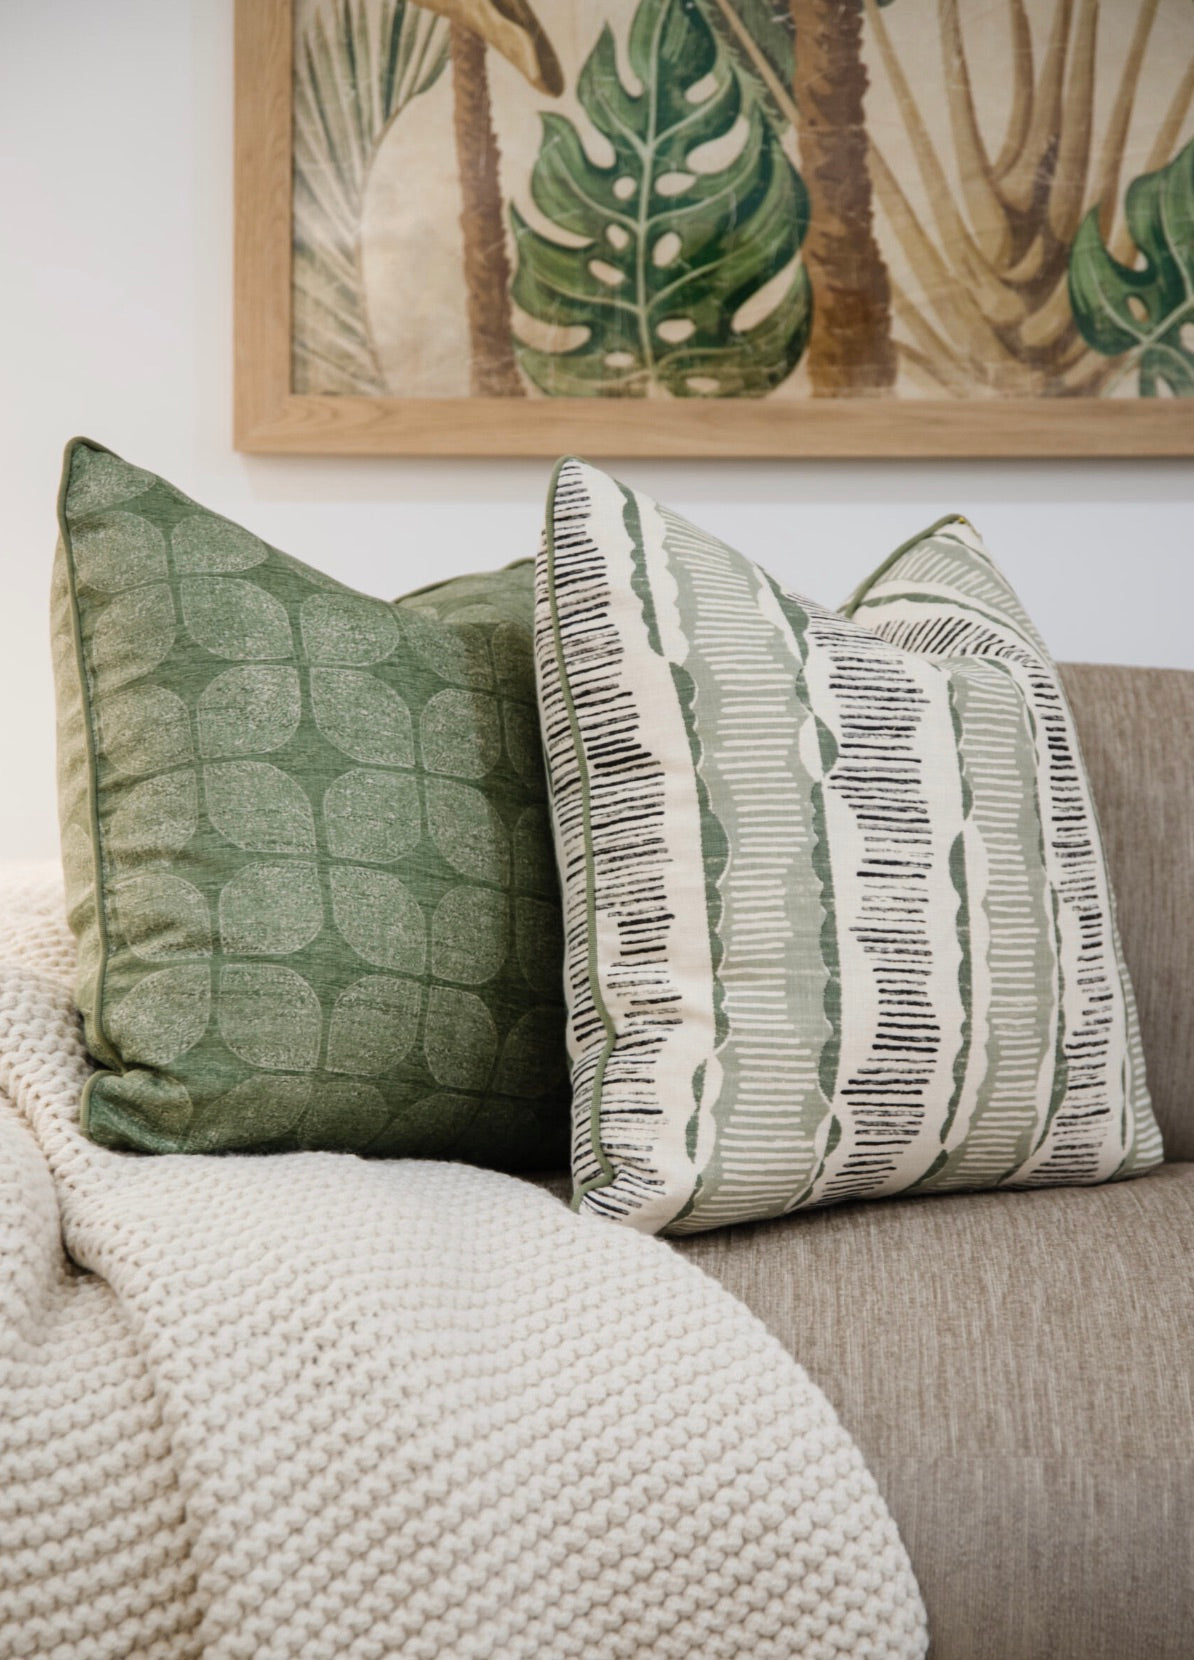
x: 715, y: 227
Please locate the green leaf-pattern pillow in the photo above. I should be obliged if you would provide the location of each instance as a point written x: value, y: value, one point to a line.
x: 838, y: 919
x: 306, y: 844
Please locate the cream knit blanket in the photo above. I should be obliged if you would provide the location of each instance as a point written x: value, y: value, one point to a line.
x: 313, y: 1406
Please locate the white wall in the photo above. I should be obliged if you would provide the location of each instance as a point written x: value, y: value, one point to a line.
x: 115, y: 321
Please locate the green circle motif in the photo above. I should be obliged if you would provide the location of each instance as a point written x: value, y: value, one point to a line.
x: 133, y: 634
x: 115, y: 551
x: 269, y: 1016
x: 374, y: 1024
x: 234, y: 618
x: 467, y: 830
x: 460, y: 1039
x: 163, y: 1016
x: 98, y: 480
x: 203, y: 545
x: 362, y: 717
x: 533, y: 1044
x: 457, y: 654
x: 372, y: 816
x: 460, y: 733
x: 155, y: 818
x: 470, y: 935
x: 145, y: 730
x: 379, y: 917
x: 249, y: 710
x: 269, y: 910
x: 258, y: 807
x: 347, y: 629
x: 162, y: 915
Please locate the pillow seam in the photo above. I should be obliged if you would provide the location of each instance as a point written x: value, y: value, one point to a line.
x: 609, y: 1174
x: 111, y: 1059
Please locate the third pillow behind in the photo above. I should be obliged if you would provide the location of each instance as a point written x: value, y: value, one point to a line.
x: 837, y: 915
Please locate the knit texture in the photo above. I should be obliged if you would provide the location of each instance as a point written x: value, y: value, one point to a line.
x: 307, y: 1405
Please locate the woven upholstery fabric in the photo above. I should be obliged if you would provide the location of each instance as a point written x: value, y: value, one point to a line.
x: 1018, y: 1369
x: 837, y: 914
x: 1137, y: 732
x: 307, y: 853
x: 316, y: 1407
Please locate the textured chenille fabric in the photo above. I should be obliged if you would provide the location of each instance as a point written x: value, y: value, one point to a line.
x: 1018, y: 1369
x: 837, y: 914
x: 316, y: 1407
x: 1137, y: 731
x: 306, y: 844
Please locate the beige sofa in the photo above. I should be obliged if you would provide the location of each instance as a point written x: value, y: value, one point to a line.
x: 1018, y: 1368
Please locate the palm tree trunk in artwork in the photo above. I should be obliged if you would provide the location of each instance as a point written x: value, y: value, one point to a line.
x: 851, y: 353
x: 493, y: 372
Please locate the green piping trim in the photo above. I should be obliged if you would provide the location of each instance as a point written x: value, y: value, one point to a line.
x: 912, y: 597
x: 608, y: 1175
x: 100, y: 1044
x: 857, y: 597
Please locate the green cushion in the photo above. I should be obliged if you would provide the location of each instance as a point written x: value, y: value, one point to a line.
x: 839, y: 923
x: 306, y: 844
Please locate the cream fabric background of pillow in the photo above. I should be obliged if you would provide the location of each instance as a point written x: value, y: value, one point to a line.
x: 837, y: 915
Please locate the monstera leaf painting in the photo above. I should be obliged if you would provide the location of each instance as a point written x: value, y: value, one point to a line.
x: 1143, y: 315
x: 677, y: 241
x: 693, y: 226
x: 761, y: 35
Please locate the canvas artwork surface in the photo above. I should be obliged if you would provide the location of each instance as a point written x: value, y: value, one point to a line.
x: 664, y: 198
x: 735, y: 202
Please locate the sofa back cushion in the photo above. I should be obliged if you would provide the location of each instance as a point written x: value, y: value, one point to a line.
x: 1136, y: 727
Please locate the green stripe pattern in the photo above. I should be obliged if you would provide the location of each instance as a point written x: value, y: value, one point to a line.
x: 837, y: 916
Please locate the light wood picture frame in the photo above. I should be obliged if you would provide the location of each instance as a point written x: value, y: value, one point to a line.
x: 977, y: 270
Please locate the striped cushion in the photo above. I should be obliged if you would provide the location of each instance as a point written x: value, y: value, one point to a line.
x: 838, y: 919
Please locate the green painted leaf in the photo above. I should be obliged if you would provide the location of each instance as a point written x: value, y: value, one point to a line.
x: 675, y: 242
x: 1145, y: 316
x: 761, y: 35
